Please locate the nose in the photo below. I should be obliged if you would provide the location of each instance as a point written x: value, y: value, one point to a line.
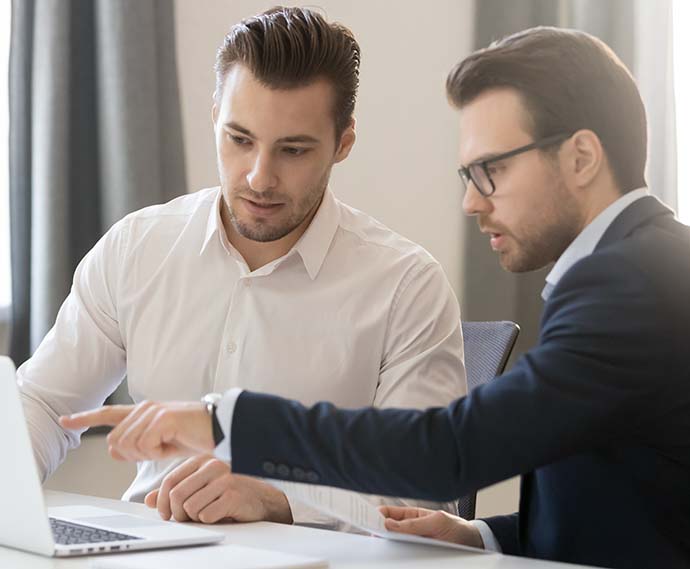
x: 261, y: 176
x: 474, y: 203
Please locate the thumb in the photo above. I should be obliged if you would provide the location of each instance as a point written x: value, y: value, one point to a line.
x: 425, y: 526
x: 151, y: 499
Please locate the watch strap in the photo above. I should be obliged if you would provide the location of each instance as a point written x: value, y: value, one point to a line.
x: 218, y: 434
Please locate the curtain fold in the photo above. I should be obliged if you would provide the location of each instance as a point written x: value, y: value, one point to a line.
x: 640, y: 33
x: 95, y: 132
x: 20, y: 156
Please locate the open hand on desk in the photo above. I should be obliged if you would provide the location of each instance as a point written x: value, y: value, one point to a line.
x: 150, y: 431
x: 435, y: 524
x: 204, y: 489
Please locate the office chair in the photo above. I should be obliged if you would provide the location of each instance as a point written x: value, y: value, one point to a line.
x: 487, y: 348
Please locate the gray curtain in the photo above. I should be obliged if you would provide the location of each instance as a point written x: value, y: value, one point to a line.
x: 490, y: 293
x: 95, y: 132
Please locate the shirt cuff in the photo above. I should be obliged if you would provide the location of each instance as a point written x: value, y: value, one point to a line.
x: 224, y: 413
x: 488, y: 537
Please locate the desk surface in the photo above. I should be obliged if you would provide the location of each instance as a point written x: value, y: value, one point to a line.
x: 343, y: 551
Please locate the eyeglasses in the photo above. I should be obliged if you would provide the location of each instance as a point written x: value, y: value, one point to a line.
x: 478, y: 172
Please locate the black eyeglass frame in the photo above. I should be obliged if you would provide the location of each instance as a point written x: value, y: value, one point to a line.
x: 465, y: 172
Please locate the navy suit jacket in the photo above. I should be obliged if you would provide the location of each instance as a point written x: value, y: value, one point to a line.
x: 596, y: 418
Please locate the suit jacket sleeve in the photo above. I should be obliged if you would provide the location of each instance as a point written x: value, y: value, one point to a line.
x: 421, y: 366
x: 586, y: 384
x: 505, y: 529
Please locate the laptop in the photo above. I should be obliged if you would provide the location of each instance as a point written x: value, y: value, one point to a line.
x: 66, y: 530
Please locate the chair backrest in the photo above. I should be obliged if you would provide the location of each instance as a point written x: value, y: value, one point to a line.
x: 487, y: 348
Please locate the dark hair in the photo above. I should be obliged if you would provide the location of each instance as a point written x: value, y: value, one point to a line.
x: 292, y: 47
x: 568, y: 80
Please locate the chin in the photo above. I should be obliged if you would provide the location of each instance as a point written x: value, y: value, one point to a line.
x: 525, y: 266
x: 262, y: 233
x: 507, y: 263
x: 511, y: 268
x: 513, y: 265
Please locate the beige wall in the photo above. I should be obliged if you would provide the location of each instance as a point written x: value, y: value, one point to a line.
x: 90, y: 470
x: 402, y: 169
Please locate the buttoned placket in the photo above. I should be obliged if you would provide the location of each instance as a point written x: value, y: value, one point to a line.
x: 231, y: 344
x: 229, y: 369
x: 238, y: 300
x: 232, y: 350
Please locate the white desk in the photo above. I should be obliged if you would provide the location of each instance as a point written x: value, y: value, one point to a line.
x: 343, y: 551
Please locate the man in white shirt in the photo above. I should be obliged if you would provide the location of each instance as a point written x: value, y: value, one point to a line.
x: 267, y: 283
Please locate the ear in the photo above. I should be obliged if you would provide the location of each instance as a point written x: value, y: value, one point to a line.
x: 347, y: 141
x: 214, y: 114
x: 586, y: 157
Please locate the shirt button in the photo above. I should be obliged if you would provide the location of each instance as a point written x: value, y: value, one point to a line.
x: 247, y: 283
x: 232, y: 347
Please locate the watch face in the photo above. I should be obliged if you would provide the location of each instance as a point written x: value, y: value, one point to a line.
x: 212, y: 398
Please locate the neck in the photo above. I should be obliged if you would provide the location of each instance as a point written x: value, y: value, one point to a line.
x: 257, y: 253
x: 601, y: 196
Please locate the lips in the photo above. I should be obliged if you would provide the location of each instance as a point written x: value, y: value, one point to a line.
x: 264, y: 204
x: 496, y: 240
x: 262, y: 208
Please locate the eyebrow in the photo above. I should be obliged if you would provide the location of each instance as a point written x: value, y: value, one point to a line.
x: 298, y: 138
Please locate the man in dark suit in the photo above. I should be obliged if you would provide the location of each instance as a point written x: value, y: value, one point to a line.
x: 596, y: 417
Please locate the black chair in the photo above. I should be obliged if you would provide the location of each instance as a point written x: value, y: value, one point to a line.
x: 487, y: 348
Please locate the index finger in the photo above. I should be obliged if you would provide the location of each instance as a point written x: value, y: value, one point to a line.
x: 188, y: 468
x: 108, y: 415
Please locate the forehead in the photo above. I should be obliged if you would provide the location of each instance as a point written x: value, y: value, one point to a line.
x: 276, y: 112
x: 494, y: 122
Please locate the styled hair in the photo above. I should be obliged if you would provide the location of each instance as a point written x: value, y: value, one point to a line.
x: 292, y: 47
x: 568, y: 80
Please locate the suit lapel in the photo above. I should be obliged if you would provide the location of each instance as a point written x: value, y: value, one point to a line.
x: 638, y: 213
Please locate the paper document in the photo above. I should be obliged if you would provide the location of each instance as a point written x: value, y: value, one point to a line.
x: 352, y: 508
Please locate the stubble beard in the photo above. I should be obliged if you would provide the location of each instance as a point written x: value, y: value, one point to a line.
x: 265, y: 231
x: 545, y: 241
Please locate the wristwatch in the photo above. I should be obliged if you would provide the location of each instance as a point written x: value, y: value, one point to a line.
x: 210, y: 400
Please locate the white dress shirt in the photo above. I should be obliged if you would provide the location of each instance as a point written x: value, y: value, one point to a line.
x: 353, y: 314
x: 582, y: 246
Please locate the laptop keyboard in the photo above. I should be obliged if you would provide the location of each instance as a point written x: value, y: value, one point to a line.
x: 68, y: 533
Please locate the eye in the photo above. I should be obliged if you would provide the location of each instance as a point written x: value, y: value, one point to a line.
x: 295, y: 150
x: 495, y: 168
x: 239, y: 140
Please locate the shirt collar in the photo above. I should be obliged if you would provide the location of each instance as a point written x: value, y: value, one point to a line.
x: 316, y: 240
x: 214, y: 223
x: 312, y: 246
x: 587, y: 240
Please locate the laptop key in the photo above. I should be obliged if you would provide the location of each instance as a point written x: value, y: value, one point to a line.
x: 69, y: 533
